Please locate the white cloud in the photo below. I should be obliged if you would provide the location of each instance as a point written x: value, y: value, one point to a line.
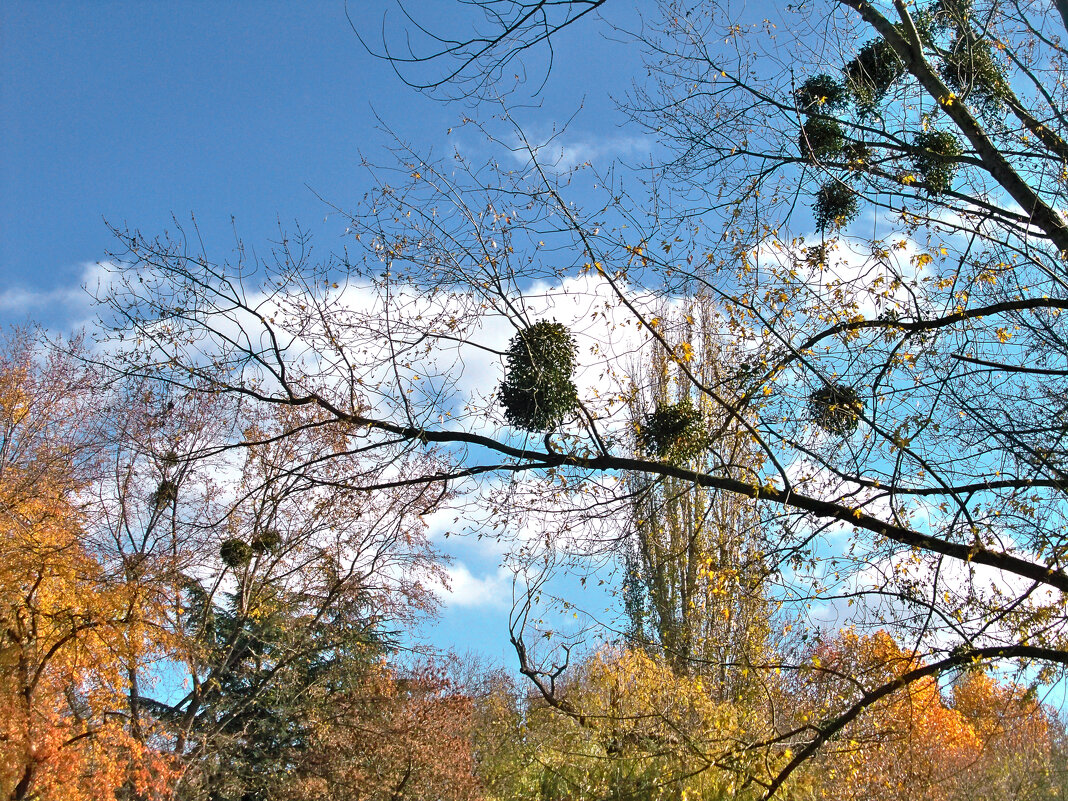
x: 960, y: 593
x: 18, y: 299
x: 567, y: 154
x: 876, y: 281
x: 462, y: 368
x: 70, y: 303
x: 558, y: 150
x: 464, y: 588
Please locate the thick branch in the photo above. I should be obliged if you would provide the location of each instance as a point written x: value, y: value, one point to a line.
x: 832, y: 510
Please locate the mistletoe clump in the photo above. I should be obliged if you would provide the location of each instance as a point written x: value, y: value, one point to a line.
x: 538, y: 392
x: 857, y: 154
x: 971, y: 70
x: 836, y: 204
x: 675, y: 431
x: 836, y: 408
x: 936, y: 159
x: 871, y: 74
x: 820, y: 93
x: 235, y: 553
x: 821, y: 138
x: 166, y: 493
x: 266, y: 542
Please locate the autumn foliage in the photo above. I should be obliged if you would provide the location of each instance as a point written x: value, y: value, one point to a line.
x: 70, y: 633
x: 111, y: 589
x: 292, y: 698
x: 979, y: 738
x: 391, y: 736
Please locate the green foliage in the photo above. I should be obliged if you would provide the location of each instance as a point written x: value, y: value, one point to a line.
x: 273, y: 670
x: 235, y: 553
x: 937, y: 158
x: 675, y: 431
x: 836, y: 205
x: 969, y: 68
x: 538, y: 392
x: 821, y: 93
x: 267, y: 541
x: 871, y: 74
x: 821, y: 138
x: 166, y: 493
x: 954, y: 10
x: 836, y: 408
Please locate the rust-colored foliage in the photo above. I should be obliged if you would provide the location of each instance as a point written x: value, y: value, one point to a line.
x: 392, y: 737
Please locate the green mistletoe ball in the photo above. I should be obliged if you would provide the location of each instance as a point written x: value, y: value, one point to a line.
x: 836, y: 408
x: 235, y: 553
x: 675, y: 431
x: 538, y: 392
x: 836, y: 205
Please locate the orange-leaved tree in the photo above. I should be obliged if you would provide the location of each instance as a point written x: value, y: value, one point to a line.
x: 1016, y: 736
x: 69, y: 633
x: 981, y: 739
x: 909, y: 744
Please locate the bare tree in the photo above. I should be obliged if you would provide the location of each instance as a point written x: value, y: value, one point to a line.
x: 267, y: 583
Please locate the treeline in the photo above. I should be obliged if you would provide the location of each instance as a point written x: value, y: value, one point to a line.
x: 179, y: 620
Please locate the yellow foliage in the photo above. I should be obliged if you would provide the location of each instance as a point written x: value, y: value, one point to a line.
x: 640, y: 730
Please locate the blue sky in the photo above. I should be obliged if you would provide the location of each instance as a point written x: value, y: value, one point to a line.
x: 133, y: 111
x: 240, y: 113
x: 130, y: 111
x: 245, y: 113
